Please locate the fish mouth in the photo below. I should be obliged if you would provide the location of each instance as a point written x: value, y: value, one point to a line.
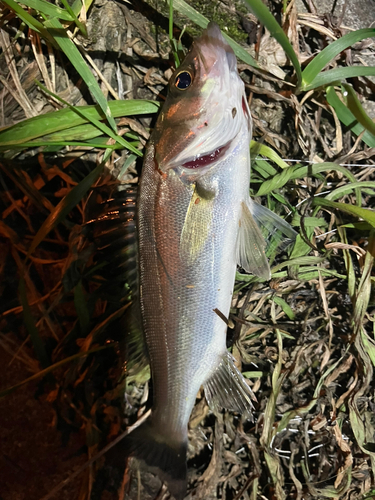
x: 201, y: 161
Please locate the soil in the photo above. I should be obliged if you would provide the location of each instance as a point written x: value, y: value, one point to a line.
x: 33, y: 457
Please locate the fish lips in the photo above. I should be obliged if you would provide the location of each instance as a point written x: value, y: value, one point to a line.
x: 196, y: 166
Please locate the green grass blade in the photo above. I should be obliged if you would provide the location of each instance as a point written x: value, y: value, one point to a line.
x: 356, y: 108
x: 129, y: 160
x: 262, y: 167
x: 369, y: 345
x: 78, y: 23
x: 29, y: 20
x: 77, y: 5
x: 29, y: 321
x: 63, y: 119
x: 202, y: 21
x: 305, y: 273
x: 348, y: 188
x: 79, y: 133
x: 279, y: 199
x: 258, y: 8
x: 351, y: 277
x: 284, y: 306
x: 261, y: 149
x: 298, y: 261
x: 308, y: 273
x: 98, y: 124
x: 363, y: 292
x: 70, y: 50
x: 361, y: 226
x: 299, y: 172
x: 66, y: 205
x: 339, y: 74
x: 324, y: 57
x: 347, y: 117
x: 62, y: 144
x: 49, y: 9
x: 276, y: 182
x: 364, y: 213
x: 309, y: 221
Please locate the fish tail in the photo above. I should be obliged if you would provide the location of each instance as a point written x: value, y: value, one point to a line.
x: 162, y: 456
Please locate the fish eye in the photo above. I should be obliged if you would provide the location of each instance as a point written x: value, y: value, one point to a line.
x: 183, y: 80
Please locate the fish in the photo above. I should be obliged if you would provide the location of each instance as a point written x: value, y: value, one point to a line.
x: 196, y: 223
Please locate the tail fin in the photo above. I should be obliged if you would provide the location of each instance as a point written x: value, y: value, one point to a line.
x: 162, y: 457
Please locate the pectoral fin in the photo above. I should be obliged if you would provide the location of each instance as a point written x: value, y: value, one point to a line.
x: 227, y: 388
x: 197, y: 223
x: 251, y: 246
x: 278, y: 233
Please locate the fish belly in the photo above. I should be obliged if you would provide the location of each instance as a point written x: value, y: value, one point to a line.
x: 182, y: 292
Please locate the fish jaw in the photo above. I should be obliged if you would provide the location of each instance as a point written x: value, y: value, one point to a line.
x: 197, y: 124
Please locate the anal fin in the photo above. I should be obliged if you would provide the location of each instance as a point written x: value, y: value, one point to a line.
x: 227, y: 388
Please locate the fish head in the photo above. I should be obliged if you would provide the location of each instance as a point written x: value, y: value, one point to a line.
x: 206, y: 108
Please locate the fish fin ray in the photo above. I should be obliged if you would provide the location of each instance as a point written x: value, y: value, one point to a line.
x: 197, y: 223
x: 278, y: 233
x: 156, y: 454
x: 227, y: 388
x: 251, y: 246
x: 134, y: 345
x: 112, y: 226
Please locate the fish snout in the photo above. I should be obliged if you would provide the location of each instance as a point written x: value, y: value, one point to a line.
x: 216, y: 38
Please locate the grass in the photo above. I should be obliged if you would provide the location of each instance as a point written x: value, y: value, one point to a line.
x: 310, y: 332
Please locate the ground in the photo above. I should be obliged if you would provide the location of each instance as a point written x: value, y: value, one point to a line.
x: 302, y: 339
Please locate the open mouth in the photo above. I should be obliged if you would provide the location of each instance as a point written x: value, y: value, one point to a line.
x: 201, y: 161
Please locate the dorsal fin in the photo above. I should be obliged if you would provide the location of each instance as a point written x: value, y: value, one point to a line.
x: 113, y: 229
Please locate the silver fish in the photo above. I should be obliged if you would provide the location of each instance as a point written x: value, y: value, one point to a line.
x: 195, y: 226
